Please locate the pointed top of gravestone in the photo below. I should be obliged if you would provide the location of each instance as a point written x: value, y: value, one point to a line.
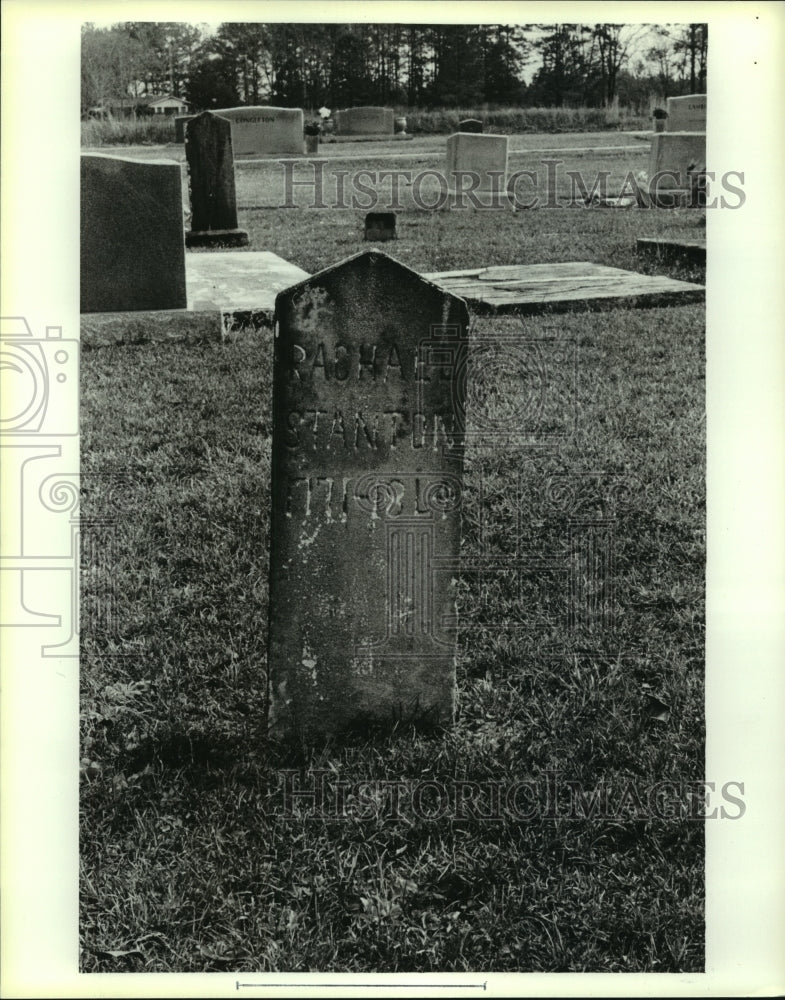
x: 375, y: 262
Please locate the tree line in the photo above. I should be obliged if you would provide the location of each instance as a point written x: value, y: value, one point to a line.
x: 405, y: 65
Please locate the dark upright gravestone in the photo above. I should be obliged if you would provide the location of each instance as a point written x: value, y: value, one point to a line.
x: 470, y: 125
x: 132, y: 254
x: 208, y: 149
x: 180, y: 122
x: 380, y: 226
x: 366, y: 489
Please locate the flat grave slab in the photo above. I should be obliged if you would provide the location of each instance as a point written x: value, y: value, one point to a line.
x: 226, y: 292
x: 238, y: 280
x: 673, y: 251
x: 576, y: 285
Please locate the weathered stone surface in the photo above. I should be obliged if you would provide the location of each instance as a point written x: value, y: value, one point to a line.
x: 208, y: 150
x: 477, y: 166
x: 262, y: 131
x: 686, y: 114
x: 166, y: 326
x: 365, y: 121
x: 380, y: 226
x: 532, y: 289
x: 180, y: 123
x: 672, y: 157
x: 366, y: 490
x: 471, y: 125
x: 132, y: 250
x: 239, y: 281
x: 673, y: 251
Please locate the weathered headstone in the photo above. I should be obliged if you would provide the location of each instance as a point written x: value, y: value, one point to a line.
x: 471, y: 125
x: 132, y: 252
x: 673, y: 158
x: 208, y: 150
x: 368, y: 397
x: 686, y: 114
x: 261, y: 131
x: 380, y: 226
x: 365, y: 121
x: 477, y: 170
x: 180, y: 122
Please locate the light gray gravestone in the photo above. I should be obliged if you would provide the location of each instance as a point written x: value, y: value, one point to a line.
x: 477, y: 169
x: 686, y: 114
x: 365, y: 121
x: 263, y: 131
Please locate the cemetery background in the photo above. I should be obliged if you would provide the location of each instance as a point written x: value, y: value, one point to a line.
x: 189, y: 863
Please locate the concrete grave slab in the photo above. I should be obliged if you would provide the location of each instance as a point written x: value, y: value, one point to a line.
x: 528, y: 289
x: 228, y: 292
x: 236, y: 280
x: 673, y: 251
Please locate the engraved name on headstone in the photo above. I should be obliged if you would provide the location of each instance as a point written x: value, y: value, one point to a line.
x: 261, y: 131
x: 686, y: 114
x: 367, y: 465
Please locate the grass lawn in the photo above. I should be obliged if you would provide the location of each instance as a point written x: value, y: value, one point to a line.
x: 192, y: 859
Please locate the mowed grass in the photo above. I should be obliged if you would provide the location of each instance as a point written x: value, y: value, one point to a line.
x: 191, y: 861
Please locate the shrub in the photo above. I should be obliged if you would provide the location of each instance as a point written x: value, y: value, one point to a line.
x: 516, y: 120
x: 155, y: 130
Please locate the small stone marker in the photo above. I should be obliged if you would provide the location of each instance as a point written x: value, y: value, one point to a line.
x: 262, y: 131
x: 132, y: 252
x: 208, y: 149
x: 180, y: 122
x: 686, y: 114
x: 365, y: 121
x: 471, y: 125
x: 477, y: 170
x: 380, y: 226
x: 368, y: 397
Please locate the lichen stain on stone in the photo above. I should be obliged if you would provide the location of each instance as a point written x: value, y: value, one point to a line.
x: 314, y: 310
x: 308, y: 540
x: 309, y: 662
x: 282, y: 696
